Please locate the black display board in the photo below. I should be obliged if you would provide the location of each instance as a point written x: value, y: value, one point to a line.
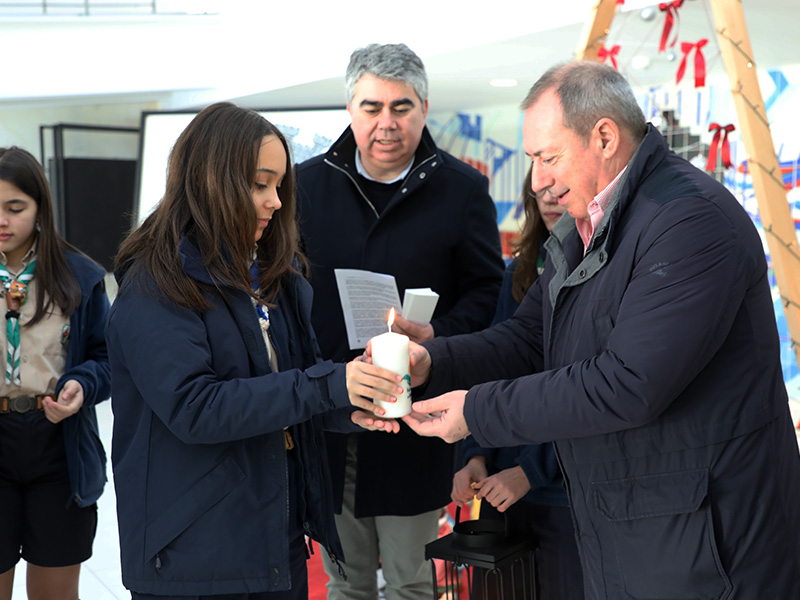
x: 97, y: 205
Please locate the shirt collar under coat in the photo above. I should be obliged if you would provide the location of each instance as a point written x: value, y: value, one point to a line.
x: 427, y: 158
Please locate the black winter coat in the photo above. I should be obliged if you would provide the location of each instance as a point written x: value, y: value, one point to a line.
x: 439, y: 231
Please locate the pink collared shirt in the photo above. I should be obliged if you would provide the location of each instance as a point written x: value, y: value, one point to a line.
x: 596, y: 209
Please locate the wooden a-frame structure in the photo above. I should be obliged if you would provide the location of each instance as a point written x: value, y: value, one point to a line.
x: 762, y: 162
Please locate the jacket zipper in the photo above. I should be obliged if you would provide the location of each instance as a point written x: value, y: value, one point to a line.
x: 355, y: 183
x: 358, y: 187
x: 567, y: 487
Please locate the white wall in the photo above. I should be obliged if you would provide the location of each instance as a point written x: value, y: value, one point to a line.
x: 20, y: 127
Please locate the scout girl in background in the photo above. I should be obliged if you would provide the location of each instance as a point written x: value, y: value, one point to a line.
x: 52, y: 465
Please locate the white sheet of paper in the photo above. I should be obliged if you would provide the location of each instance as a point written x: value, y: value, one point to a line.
x: 366, y: 299
x: 419, y: 304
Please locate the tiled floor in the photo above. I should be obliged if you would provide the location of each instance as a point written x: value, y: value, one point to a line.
x: 100, y: 575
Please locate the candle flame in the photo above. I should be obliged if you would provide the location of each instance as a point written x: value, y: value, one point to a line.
x: 390, y: 319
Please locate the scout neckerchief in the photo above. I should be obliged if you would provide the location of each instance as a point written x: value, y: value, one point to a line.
x: 261, y: 310
x: 15, y: 290
x: 263, y: 320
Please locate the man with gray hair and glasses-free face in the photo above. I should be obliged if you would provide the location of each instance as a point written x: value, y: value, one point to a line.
x: 648, y: 351
x: 385, y: 199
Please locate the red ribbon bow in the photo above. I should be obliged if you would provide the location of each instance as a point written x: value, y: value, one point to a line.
x: 671, y: 8
x: 726, y: 147
x: 603, y: 53
x: 699, y: 62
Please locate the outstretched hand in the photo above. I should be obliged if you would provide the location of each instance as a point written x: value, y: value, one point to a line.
x: 442, y: 417
x: 369, y: 422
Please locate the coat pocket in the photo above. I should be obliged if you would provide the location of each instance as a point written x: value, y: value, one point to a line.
x: 200, y: 497
x: 663, y: 536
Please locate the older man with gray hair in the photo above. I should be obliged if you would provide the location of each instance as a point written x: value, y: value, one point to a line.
x: 647, y: 351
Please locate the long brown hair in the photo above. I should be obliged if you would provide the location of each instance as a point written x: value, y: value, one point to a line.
x: 527, y: 249
x: 55, y: 281
x: 211, y: 174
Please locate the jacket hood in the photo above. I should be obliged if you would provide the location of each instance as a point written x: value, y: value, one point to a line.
x: 192, y: 261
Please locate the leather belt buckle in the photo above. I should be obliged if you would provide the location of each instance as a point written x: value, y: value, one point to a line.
x: 20, y: 404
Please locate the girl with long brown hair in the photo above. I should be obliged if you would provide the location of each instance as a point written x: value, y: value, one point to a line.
x: 219, y: 394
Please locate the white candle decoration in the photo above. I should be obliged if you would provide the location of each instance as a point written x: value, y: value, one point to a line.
x: 390, y: 351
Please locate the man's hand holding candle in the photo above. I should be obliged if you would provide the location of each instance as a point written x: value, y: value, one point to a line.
x: 420, y: 364
x: 416, y: 333
x: 442, y: 417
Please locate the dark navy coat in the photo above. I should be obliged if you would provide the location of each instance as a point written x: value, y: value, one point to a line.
x: 87, y: 363
x: 661, y: 383
x: 438, y: 231
x: 200, y: 465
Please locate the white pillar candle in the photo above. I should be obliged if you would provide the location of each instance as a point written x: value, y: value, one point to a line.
x: 390, y: 351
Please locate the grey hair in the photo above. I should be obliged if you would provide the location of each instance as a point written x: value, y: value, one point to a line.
x: 589, y: 91
x: 393, y: 62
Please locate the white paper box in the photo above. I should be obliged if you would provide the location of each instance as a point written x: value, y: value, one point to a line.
x: 419, y: 304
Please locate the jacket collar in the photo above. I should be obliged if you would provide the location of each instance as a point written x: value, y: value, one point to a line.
x: 648, y: 155
x: 565, y: 246
x: 426, y: 160
x: 342, y: 153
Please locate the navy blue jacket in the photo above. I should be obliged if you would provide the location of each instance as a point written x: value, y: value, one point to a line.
x: 87, y: 363
x: 200, y: 465
x: 653, y: 361
x: 438, y: 231
x: 538, y: 461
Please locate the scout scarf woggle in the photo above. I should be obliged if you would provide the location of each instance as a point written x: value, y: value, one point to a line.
x: 16, y: 292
